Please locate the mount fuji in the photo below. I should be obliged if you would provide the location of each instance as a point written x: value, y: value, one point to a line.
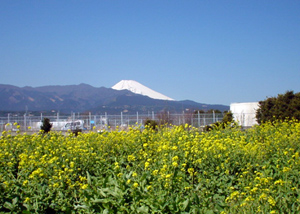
x: 138, y: 88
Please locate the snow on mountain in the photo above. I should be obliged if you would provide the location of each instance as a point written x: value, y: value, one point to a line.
x: 138, y: 88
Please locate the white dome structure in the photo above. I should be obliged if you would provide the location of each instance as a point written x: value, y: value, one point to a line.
x: 245, y: 113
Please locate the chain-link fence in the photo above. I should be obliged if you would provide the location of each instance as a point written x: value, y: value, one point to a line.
x: 105, y: 121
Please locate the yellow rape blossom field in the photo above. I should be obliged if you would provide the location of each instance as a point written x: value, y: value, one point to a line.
x: 173, y: 170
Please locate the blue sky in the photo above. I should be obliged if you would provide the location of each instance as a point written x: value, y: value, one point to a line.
x: 215, y: 52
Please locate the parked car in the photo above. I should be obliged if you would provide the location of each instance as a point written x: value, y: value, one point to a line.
x: 74, y: 125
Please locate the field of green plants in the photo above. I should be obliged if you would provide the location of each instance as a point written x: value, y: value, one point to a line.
x: 172, y: 170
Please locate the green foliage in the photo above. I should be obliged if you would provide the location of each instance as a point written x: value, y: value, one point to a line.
x: 228, y: 117
x: 46, y: 126
x: 213, y: 111
x: 199, y: 111
x: 226, y: 122
x: 76, y: 131
x: 209, y: 111
x: 279, y: 108
x: 152, y: 124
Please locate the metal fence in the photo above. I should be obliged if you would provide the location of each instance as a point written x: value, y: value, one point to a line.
x: 105, y: 121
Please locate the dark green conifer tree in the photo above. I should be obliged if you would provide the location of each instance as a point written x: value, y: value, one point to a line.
x: 46, y: 126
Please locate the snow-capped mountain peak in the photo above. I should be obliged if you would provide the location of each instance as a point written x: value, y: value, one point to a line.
x: 138, y: 88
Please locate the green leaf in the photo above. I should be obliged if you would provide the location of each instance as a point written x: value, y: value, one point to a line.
x: 143, y: 209
x: 101, y: 192
x: 196, y: 198
x: 88, y: 177
x: 209, y: 212
x: 106, y: 211
x: 81, y: 207
x: 9, y: 206
x: 15, y: 200
x: 105, y: 200
x: 185, y: 204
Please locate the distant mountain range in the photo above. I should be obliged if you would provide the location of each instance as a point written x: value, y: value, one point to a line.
x: 86, y: 98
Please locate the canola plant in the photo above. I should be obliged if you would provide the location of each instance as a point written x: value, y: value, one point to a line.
x: 175, y: 169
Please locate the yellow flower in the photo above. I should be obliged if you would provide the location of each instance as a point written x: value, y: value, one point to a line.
x: 56, y: 185
x: 286, y: 169
x: 84, y: 186
x: 155, y: 172
x: 167, y: 184
x: 249, y: 198
x: 117, y: 165
x: 191, y: 171
x: 175, y: 164
x: 175, y: 158
x: 243, y: 204
x: 263, y: 196
x: 135, y: 185
x: 26, y: 200
x: 131, y: 158
x: 271, y: 201
x: 168, y: 176
x: 147, y: 164
x: 187, y: 188
x: 279, y: 182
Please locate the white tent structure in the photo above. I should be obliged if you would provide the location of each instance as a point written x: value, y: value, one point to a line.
x: 244, y: 113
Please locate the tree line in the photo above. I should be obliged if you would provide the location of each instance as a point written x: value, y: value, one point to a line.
x: 284, y: 106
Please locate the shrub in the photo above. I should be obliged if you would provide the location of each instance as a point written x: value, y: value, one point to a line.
x: 227, y: 119
x: 76, y: 131
x: 152, y: 124
x: 46, y: 127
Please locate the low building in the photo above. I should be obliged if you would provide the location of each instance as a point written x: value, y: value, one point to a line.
x: 245, y: 113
